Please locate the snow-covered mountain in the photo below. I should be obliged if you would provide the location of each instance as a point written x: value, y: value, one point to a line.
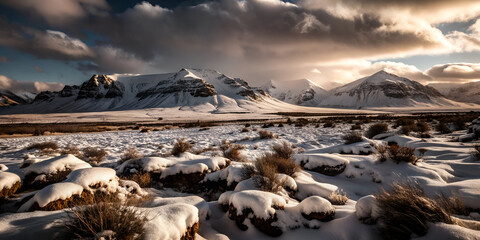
x: 383, y: 89
x: 300, y: 92
x: 468, y: 92
x: 190, y: 89
x: 9, y: 98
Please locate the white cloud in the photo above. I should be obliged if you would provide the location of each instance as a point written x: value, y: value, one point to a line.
x: 15, y: 85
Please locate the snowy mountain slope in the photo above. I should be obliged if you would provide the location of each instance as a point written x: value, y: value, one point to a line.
x: 8, y: 98
x: 189, y: 89
x: 301, y: 92
x: 468, y: 92
x: 383, y: 89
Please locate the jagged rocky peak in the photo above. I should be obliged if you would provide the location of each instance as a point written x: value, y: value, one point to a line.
x: 300, y: 92
x: 100, y: 87
x: 69, y: 91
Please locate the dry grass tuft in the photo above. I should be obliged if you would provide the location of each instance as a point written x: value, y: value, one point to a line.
x: 329, y: 124
x: 130, y: 153
x: 245, y: 129
x: 124, y: 221
x: 7, y: 192
x: 265, y: 134
x: 72, y: 149
x: 396, y: 153
x: 338, y: 197
x: 443, y: 128
x: 284, y: 150
x: 276, y: 163
x: 94, y: 155
x: 181, y: 146
x: 352, y: 137
x: 406, y: 209
x: 376, y: 129
x: 43, y: 146
x: 232, y: 151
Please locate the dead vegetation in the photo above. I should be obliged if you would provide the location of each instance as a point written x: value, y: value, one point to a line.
x: 376, y: 129
x: 7, y: 192
x: 123, y: 221
x: 352, y: 137
x: 180, y: 147
x: 72, y: 149
x: 405, y: 210
x: 232, y: 151
x: 130, y: 153
x: 94, y: 155
x: 44, y: 146
x: 476, y: 152
x: 396, y: 153
x: 265, y: 134
x: 339, y: 197
x: 329, y: 124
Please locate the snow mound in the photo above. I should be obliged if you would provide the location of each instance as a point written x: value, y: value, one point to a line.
x: 185, y: 165
x: 311, y: 161
x: 366, y: 208
x: 52, y: 192
x: 315, y: 204
x: 56, y: 164
x: 147, y: 164
x: 94, y: 177
x: 169, y: 222
x: 3, y: 168
x: 231, y: 174
x: 8, y: 180
x: 307, y: 186
x: 198, y: 202
x: 262, y: 204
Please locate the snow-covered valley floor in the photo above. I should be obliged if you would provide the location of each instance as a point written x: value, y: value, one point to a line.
x: 300, y: 209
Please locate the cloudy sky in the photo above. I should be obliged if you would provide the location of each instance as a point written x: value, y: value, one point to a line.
x: 53, y: 42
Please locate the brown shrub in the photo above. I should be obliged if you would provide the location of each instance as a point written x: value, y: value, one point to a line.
x: 245, y: 129
x: 422, y: 127
x: 279, y: 164
x: 130, y: 153
x: 94, y: 155
x: 7, y: 192
x: 376, y: 129
x: 352, y: 137
x: 329, y: 124
x: 338, y: 197
x: 382, y: 152
x: 476, y: 152
x: 406, y: 209
x: 125, y: 222
x: 72, y: 149
x: 232, y: 151
x: 443, y: 128
x: 144, y: 179
x: 356, y: 127
x: 43, y: 146
x: 402, y: 154
x: 284, y: 150
x: 404, y: 121
x: 265, y: 134
x: 181, y: 146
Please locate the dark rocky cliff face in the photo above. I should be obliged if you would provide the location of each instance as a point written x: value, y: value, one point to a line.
x: 45, y: 96
x: 100, y: 87
x: 196, y: 88
x: 69, y: 91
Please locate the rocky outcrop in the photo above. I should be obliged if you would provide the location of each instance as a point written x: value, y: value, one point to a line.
x: 100, y: 87
x: 45, y: 96
x: 69, y: 91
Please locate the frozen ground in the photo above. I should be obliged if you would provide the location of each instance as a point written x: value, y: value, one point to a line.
x: 445, y: 167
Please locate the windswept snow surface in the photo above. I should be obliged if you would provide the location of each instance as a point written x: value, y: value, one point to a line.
x: 445, y: 167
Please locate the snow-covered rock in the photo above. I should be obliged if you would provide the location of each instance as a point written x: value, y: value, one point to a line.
x: 301, y: 92
x: 9, y: 183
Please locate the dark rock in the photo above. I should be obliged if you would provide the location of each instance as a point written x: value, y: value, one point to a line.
x: 69, y: 91
x: 45, y: 96
x: 100, y: 87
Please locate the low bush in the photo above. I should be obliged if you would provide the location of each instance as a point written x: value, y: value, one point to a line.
x: 339, y: 197
x: 352, y: 137
x: 94, y: 155
x: 232, y: 151
x: 283, y: 150
x: 265, y: 134
x: 376, y: 129
x: 279, y: 164
x: 476, y: 152
x: 443, y: 128
x: 406, y: 210
x: 396, y: 153
x: 245, y: 129
x: 130, y: 153
x: 356, y: 127
x: 181, y: 146
x: 123, y: 221
x: 72, y: 149
x: 329, y: 124
x: 422, y: 127
x: 43, y: 146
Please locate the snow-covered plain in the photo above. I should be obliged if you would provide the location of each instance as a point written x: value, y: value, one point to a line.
x: 446, y: 167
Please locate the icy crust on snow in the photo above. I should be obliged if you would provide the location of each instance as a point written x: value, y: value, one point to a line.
x: 7, y: 180
x: 449, y: 231
x: 366, y: 208
x: 105, y: 177
x: 261, y: 203
x: 147, y: 164
x: 315, y: 204
x: 57, y: 164
x: 198, y: 202
x: 169, y: 222
x: 314, y: 160
x: 232, y: 174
